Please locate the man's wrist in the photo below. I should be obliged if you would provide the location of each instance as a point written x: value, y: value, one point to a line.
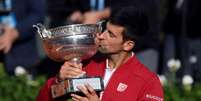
x: 58, y: 79
x: 59, y: 89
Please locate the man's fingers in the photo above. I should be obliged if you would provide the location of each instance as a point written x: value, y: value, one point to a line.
x: 74, y: 99
x: 84, y: 90
x: 78, y: 98
x: 76, y: 70
x: 90, y: 89
x: 2, y: 47
x: 72, y: 64
x: 5, y: 44
x: 7, y: 49
x: 1, y: 40
x: 69, y: 72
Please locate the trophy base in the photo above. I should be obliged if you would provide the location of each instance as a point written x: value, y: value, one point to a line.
x: 70, y: 86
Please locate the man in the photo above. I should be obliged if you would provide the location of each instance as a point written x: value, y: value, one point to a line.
x: 125, y: 78
x: 18, y: 42
x: 146, y: 48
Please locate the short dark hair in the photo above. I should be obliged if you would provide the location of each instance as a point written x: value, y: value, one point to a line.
x: 133, y: 19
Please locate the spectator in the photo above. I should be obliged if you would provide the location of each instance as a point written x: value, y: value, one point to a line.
x: 18, y: 42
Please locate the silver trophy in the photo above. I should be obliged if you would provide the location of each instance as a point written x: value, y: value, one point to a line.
x: 71, y: 43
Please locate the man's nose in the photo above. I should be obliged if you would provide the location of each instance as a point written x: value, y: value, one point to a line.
x: 101, y: 35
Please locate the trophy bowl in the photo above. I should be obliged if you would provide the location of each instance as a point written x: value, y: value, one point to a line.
x: 68, y: 42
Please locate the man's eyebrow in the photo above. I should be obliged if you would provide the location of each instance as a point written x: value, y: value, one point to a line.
x: 111, y: 32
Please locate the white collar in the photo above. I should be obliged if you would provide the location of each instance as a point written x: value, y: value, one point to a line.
x: 107, y: 62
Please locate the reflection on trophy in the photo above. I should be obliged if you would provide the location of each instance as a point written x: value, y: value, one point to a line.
x: 71, y: 43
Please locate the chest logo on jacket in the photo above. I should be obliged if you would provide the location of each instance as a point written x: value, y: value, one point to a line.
x: 122, y: 87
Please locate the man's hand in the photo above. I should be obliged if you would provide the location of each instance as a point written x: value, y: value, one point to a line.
x: 76, y: 17
x: 88, y: 92
x: 70, y: 70
x: 8, y: 38
x: 91, y: 17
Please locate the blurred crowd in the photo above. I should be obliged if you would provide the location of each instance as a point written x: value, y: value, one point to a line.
x: 173, y: 39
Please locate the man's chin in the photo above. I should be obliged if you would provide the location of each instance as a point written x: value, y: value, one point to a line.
x: 102, y: 50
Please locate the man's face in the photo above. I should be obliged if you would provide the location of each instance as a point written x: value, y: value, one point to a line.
x: 111, y: 40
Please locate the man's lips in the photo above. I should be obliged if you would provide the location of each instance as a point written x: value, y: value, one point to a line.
x: 100, y: 45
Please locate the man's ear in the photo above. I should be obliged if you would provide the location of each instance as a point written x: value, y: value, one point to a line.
x: 128, y: 45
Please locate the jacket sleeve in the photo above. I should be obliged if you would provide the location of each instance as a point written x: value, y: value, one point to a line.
x: 45, y: 91
x: 152, y: 91
x: 36, y: 15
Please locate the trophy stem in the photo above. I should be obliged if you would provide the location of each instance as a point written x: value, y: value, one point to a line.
x: 77, y: 60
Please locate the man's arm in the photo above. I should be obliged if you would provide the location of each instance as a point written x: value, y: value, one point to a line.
x: 92, y: 17
x: 68, y: 70
x: 8, y: 38
x: 45, y: 91
x: 152, y: 91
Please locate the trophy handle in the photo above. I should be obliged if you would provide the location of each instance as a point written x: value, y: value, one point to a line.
x: 101, y: 25
x: 42, y: 31
x: 39, y: 28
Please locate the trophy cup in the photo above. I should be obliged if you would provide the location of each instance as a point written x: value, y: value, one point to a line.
x: 71, y: 43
